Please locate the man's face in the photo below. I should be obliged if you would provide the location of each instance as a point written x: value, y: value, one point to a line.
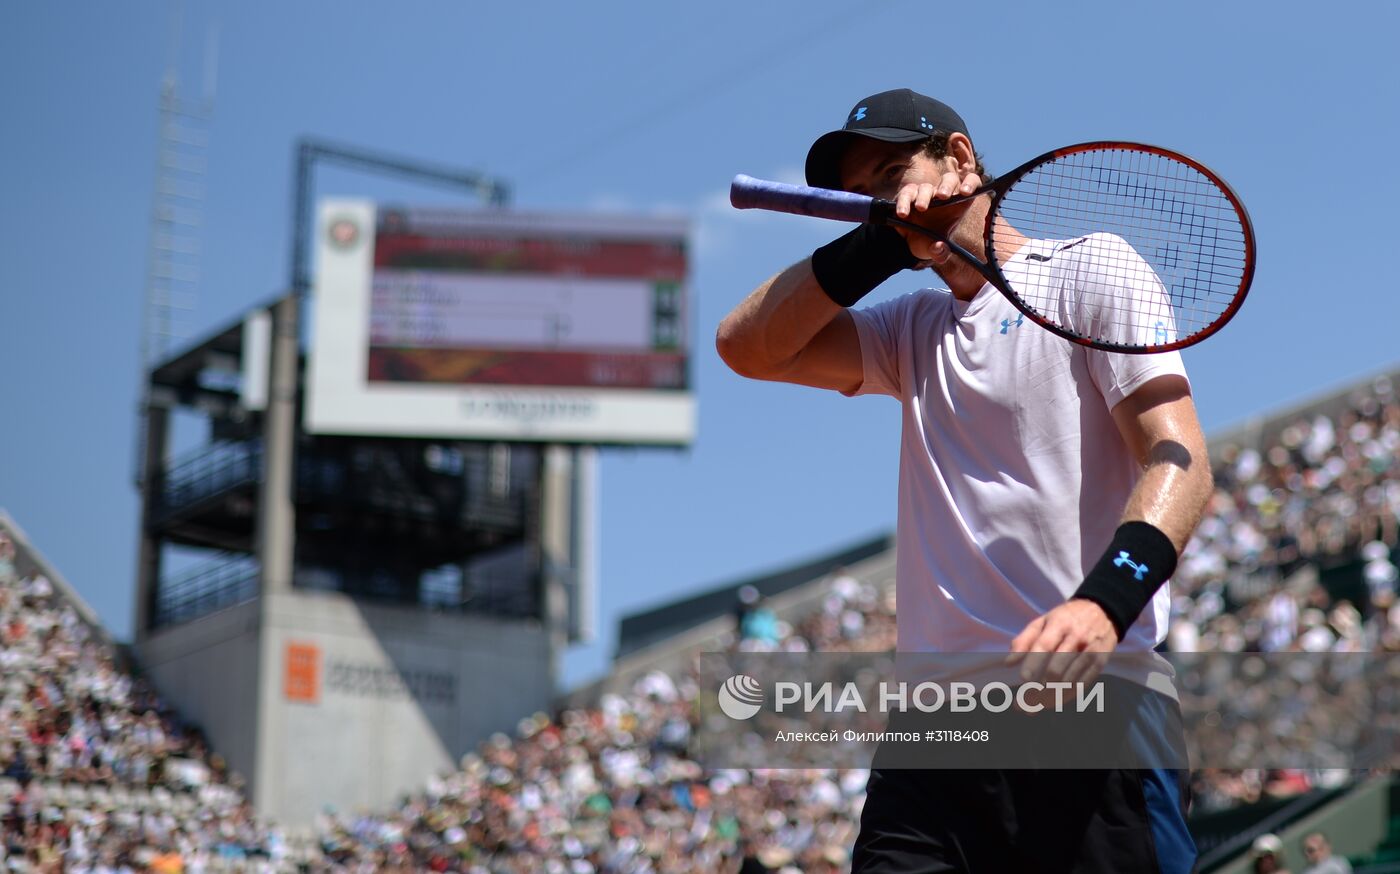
x: 1315, y: 848
x: 880, y: 169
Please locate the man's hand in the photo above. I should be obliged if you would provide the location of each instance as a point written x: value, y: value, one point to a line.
x: 913, y: 202
x: 1071, y: 643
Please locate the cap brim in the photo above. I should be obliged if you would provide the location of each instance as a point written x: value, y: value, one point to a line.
x: 824, y: 158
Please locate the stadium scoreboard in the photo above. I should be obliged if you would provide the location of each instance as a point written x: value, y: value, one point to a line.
x: 491, y: 324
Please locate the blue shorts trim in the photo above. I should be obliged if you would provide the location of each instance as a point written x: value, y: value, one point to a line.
x: 1166, y: 814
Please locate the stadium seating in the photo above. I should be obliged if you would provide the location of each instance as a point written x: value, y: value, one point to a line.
x: 90, y: 757
x: 93, y: 769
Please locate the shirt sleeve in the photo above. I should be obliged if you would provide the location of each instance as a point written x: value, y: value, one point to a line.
x: 883, y: 330
x: 1119, y: 297
x: 1118, y: 375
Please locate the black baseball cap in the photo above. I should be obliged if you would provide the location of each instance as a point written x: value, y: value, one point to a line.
x: 899, y: 116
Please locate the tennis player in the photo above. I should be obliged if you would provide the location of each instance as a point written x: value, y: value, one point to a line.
x: 1045, y: 492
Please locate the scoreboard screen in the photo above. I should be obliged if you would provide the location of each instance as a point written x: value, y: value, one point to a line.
x: 500, y: 325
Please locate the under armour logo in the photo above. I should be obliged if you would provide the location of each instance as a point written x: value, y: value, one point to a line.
x: 859, y: 114
x: 1139, y: 570
x: 1007, y: 324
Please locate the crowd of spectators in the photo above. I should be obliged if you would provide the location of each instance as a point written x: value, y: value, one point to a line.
x: 98, y: 776
x: 1324, y: 494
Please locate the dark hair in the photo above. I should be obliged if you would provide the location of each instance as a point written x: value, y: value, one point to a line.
x: 936, y: 146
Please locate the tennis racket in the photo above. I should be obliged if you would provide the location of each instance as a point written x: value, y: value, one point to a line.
x: 1119, y: 246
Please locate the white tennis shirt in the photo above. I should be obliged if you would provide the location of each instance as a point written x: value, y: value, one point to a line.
x: 1013, y: 475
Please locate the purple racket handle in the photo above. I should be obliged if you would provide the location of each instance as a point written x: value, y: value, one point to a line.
x: 747, y: 192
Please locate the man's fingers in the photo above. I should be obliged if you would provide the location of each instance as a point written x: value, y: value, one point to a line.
x: 1066, y: 653
x: 1021, y: 643
x: 921, y: 247
x: 920, y: 196
x: 1048, y: 641
x: 915, y: 196
x: 924, y: 197
x: 948, y: 185
x: 1087, y: 667
x: 903, y: 199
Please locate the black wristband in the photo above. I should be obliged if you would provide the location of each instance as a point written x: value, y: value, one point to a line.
x: 848, y: 268
x: 1137, y: 562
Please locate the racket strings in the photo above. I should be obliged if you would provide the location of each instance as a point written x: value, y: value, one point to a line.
x: 1127, y: 247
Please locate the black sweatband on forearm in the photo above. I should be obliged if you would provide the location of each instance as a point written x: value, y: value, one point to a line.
x: 1137, y: 562
x: 848, y: 268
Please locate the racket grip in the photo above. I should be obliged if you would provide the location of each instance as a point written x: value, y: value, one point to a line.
x: 746, y: 192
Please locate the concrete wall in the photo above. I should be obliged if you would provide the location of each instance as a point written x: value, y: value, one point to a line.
x: 319, y: 700
x: 208, y: 669
x: 362, y: 702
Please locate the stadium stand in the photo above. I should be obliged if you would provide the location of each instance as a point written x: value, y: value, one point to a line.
x: 96, y: 774
x: 100, y: 777
x: 660, y: 813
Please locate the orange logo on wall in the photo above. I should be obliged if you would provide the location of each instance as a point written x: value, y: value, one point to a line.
x: 302, y: 681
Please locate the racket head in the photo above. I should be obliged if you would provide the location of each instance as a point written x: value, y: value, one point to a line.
x: 1130, y: 247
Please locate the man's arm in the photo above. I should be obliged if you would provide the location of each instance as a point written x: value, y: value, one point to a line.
x: 789, y: 330
x: 1158, y: 423
x: 795, y: 328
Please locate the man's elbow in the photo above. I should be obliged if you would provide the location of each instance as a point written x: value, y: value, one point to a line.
x: 737, y: 352
x: 1190, y: 457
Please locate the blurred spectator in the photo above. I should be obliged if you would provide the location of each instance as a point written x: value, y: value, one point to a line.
x: 758, y: 624
x: 748, y: 596
x: 1267, y: 855
x: 1318, y: 851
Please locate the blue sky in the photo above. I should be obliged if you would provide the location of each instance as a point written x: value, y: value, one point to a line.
x: 653, y: 108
